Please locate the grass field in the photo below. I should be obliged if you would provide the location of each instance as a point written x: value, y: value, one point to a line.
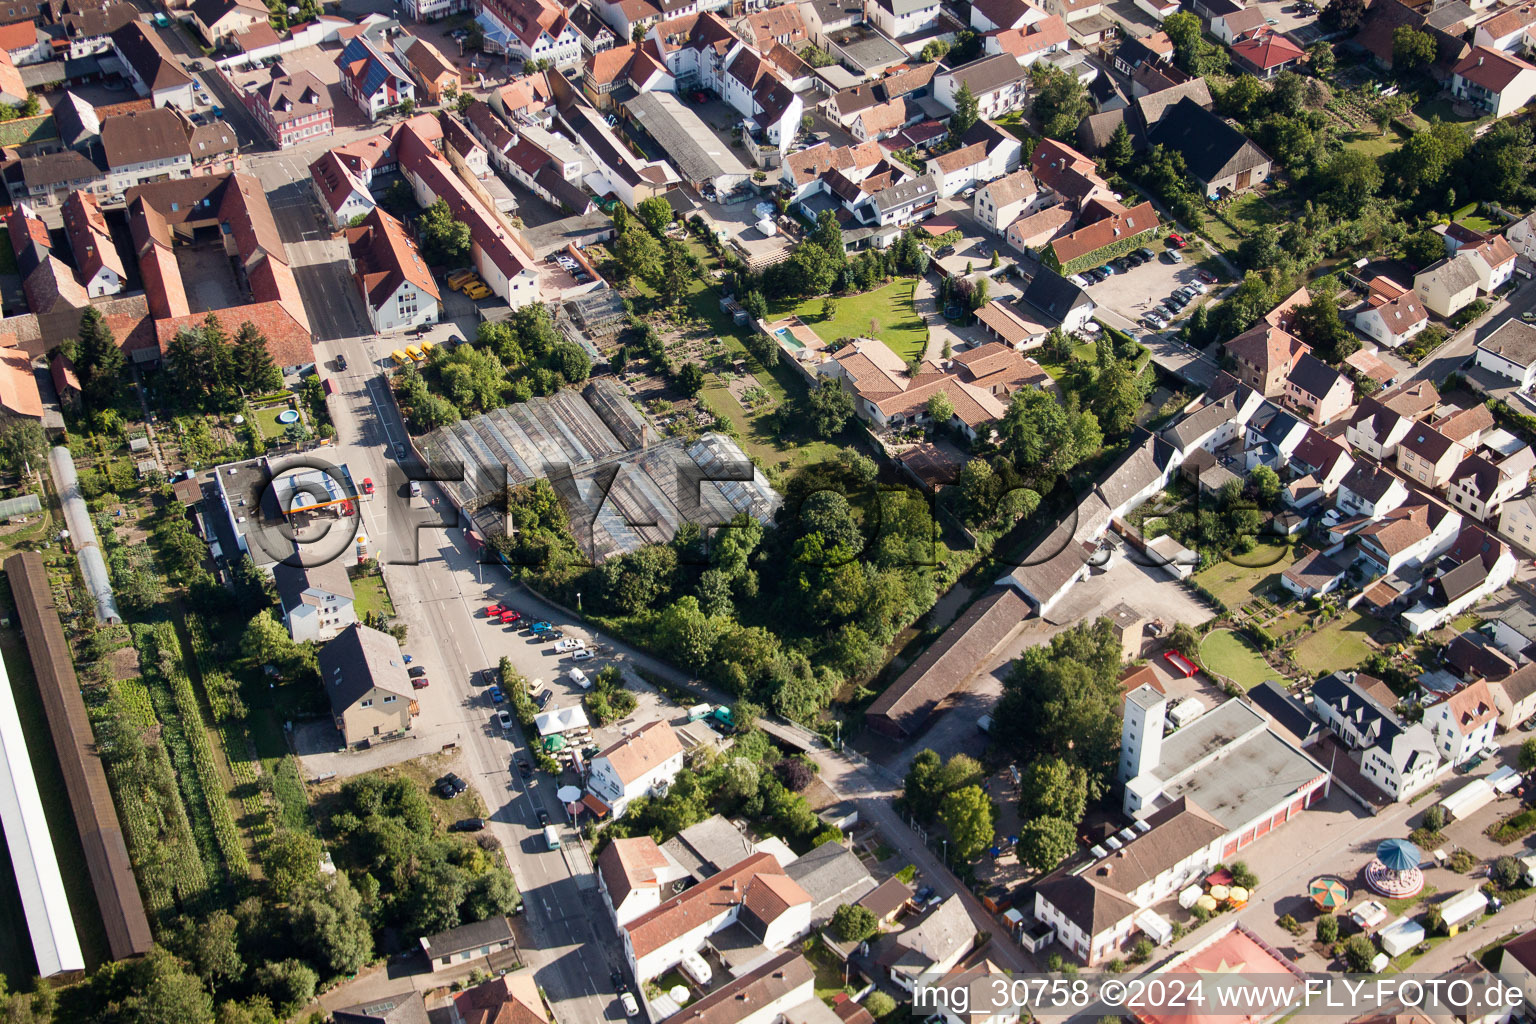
x: 1468, y: 217
x: 1442, y: 108
x: 1373, y: 143
x: 1338, y: 645
x: 899, y: 325
x: 1248, y: 212
x: 1226, y: 653
x: 370, y: 595
x: 266, y: 419
x: 1235, y: 584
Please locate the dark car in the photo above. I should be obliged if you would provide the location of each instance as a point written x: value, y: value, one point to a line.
x: 543, y: 698
x: 546, y: 635
x: 543, y: 817
x: 341, y: 362
x: 1121, y: 264
x: 923, y: 895
x: 416, y: 671
x: 497, y: 696
x: 523, y: 768
x: 619, y: 984
x: 467, y: 825
x: 399, y: 451
x: 450, y: 786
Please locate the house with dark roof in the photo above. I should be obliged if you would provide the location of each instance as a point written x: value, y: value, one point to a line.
x: 100, y: 267
x: 219, y: 20
x: 151, y: 66
x: 1376, y: 429
x: 1474, y: 566
x: 1371, y: 491
x: 372, y: 78
x: 1061, y: 302
x: 1318, y: 391
x: 364, y: 676
x: 1397, y: 757
x: 291, y: 107
x: 1312, y: 574
x: 1449, y: 285
x: 1480, y: 485
x: 1271, y: 437
x: 402, y: 1008
x: 467, y: 942
x: 1218, y: 156
x: 1510, y: 351
x: 999, y: 84
x: 1428, y: 456
x: 1285, y: 712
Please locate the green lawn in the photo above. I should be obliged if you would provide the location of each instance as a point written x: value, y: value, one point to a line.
x: 266, y: 419
x: 1226, y: 653
x: 1014, y: 122
x: 1468, y: 217
x: 1373, y: 143
x: 1338, y: 645
x: 891, y: 307
x: 1442, y: 108
x: 1236, y: 584
x: 369, y: 594
x: 757, y: 436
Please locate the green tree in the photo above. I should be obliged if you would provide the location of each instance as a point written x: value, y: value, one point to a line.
x: 656, y: 213
x: 967, y: 112
x: 879, y: 1004
x: 828, y: 408
x: 1053, y: 788
x: 22, y: 445
x: 969, y: 817
x: 1266, y: 485
x: 922, y: 790
x: 1060, y: 101
x: 1411, y: 49
x: 1327, y: 929
x: 1528, y: 754
x: 1348, y: 181
x: 1343, y: 15
x: 291, y: 862
x: 153, y: 989
x: 1423, y: 248
x: 690, y: 379
x: 1320, y: 59
x: 445, y: 241
x: 1359, y: 951
x: 1319, y: 325
x: 1121, y: 149
x: 1118, y: 391
x: 1046, y: 438
x: 940, y: 408
x: 1046, y: 842
x: 290, y: 984
x: 1261, y: 249
x: 853, y: 923
x: 97, y: 358
x: 252, y: 362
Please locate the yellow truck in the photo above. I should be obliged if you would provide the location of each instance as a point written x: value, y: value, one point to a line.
x: 414, y: 353
x: 459, y: 278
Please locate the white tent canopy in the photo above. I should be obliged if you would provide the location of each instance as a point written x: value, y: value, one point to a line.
x: 1188, y: 897
x: 1401, y: 936
x: 1505, y: 779
x: 560, y: 720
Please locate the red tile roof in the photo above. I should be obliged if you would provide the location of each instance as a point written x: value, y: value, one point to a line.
x: 18, y: 384
x: 1268, y: 50
x: 1491, y: 69
x: 696, y: 907
x: 288, y: 341
x: 386, y: 258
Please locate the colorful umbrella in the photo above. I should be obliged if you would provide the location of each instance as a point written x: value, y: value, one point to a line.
x: 556, y: 742
x: 1238, y: 894
x: 1328, y: 893
x: 1398, y: 855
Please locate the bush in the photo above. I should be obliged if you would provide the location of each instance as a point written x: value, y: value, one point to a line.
x: 853, y: 923
x: 1463, y: 861
x: 1358, y: 953
x: 1435, y: 818
x: 1327, y: 929
x: 1434, y: 920
x: 1142, y: 951
x: 1290, y: 924
x: 879, y: 1004
x: 1507, y: 872
x: 1243, y: 876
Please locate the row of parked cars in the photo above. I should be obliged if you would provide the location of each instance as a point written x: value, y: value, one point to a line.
x: 1163, y: 313
x: 1121, y: 265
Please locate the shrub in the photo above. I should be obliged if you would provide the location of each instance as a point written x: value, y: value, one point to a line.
x: 879, y: 1004
x: 853, y: 923
x: 1507, y: 872
x: 1142, y: 951
x: 1462, y: 860
x: 1358, y: 953
x: 1327, y: 929
x: 1435, y: 818
x: 1243, y: 875
x: 1434, y: 920
x: 1290, y: 924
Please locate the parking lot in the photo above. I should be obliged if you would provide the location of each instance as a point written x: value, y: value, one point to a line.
x: 1132, y: 294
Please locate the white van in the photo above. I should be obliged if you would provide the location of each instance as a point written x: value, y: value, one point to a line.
x: 551, y: 837
x: 415, y: 488
x: 579, y: 677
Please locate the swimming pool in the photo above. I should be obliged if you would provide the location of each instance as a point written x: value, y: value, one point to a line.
x: 788, y: 338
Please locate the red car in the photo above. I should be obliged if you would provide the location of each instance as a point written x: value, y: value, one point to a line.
x: 493, y: 611
x: 1177, y: 240
x: 419, y: 684
x: 367, y: 485
x: 1206, y: 276
x: 509, y: 617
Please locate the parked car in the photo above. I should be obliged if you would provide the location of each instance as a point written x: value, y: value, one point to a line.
x: 543, y: 817
x: 1199, y: 287
x: 450, y: 786
x: 544, y: 636
x: 1176, y: 240
x: 467, y: 825
x: 523, y: 767
x: 1077, y: 279
x: 631, y: 1008
x: 497, y: 696
x: 493, y: 611
x: 1174, y: 256
x: 508, y: 617
x: 543, y: 699
x: 1151, y: 324
x: 1206, y: 276
x: 1145, y: 253
x: 504, y: 718
x: 571, y: 644
x: 420, y: 683
x: 617, y: 980
x: 367, y: 485
x: 582, y: 654
x: 541, y: 626
x: 1108, y: 270
x: 415, y: 671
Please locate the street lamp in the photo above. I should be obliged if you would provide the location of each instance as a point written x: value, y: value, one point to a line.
x: 578, y: 602
x: 839, y: 723
x: 946, y: 852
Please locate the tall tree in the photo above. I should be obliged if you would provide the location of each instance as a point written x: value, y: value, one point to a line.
x: 970, y: 818
x: 445, y: 241
x: 1046, y: 842
x: 1053, y: 788
x: 828, y: 408
x: 22, y: 443
x: 967, y: 112
x: 1060, y: 101
x: 98, y: 360
x: 254, y: 369
x: 1411, y: 49
x: 1121, y: 148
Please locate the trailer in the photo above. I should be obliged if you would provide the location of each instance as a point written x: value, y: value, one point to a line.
x: 699, y: 711
x: 1463, y: 909
x: 1468, y: 799
x: 1505, y: 780
x: 1186, y: 711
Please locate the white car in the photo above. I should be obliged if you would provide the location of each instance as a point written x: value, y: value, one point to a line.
x: 631, y: 1008
x: 570, y: 644
x: 583, y: 654
x: 504, y: 719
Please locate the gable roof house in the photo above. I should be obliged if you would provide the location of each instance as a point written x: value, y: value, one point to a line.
x: 1510, y: 351
x: 1216, y: 155
x: 1266, y: 53
x: 1428, y: 456
x: 1392, y: 314
x: 364, y: 676
x: 1398, y: 757
x: 372, y: 79
x: 632, y: 874
x: 1409, y: 535
x: 933, y: 946
x: 1061, y: 302
x: 1376, y: 429
x: 531, y: 29
x: 1508, y: 29
x: 1069, y: 177
x: 291, y: 107
x: 1232, y: 25
x: 96, y: 257
x: 999, y: 83
x: 219, y: 20
x: 1271, y: 437
x: 1515, y: 696
x: 1324, y: 460
x: 435, y: 72
x: 1493, y: 81
x: 1370, y: 491
x: 316, y: 600
x: 1265, y: 356
x: 1480, y: 487
x: 1105, y: 230
x: 397, y: 288
x: 641, y: 763
x: 1472, y: 568
x: 1317, y: 390
x: 1463, y: 723
x: 151, y: 66
x: 1449, y: 285
x: 510, y: 999
x: 833, y: 875
x: 999, y: 203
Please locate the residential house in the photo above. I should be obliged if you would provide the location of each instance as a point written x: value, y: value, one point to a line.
x: 364, y: 676
x: 1449, y: 285
x: 1392, y: 314
x: 901, y: 18
x: 89, y: 31
x: 1508, y: 29
x: 1510, y: 351
x: 1515, y: 696
x: 459, y: 140
x: 999, y: 84
x: 1271, y: 437
x: 467, y: 942
x: 1317, y: 390
x: 1428, y: 456
x: 1399, y: 758
x: 1466, y: 425
x: 1479, y: 486
x: 1008, y: 324
x: 19, y: 396
x: 144, y: 146
x: 1312, y: 574
x: 999, y: 203
x: 1463, y: 723
x: 291, y: 107
x: 1035, y: 230
x: 151, y: 66
x: 24, y: 44
x: 343, y: 194
x: 512, y: 998
x: 316, y: 600
x: 995, y: 15
x: 1493, y: 81
x: 1266, y: 53
x: 1065, y: 175
x: 372, y: 79
x: 591, y: 32
x: 437, y: 75
x: 99, y: 267
x: 399, y: 1008
x: 1154, y: 49
x: 1521, y: 235
x: 1376, y: 430
x: 803, y: 169
x: 532, y: 30
x: 633, y: 874
x: 833, y: 875
x: 782, y: 24
x: 1517, y: 522
x: 1105, y: 230
x: 961, y: 168
x: 753, y: 900
x: 1215, y: 422
x: 906, y: 203
x: 1472, y: 568
x: 1031, y: 42
x: 1322, y: 459
x: 642, y: 763
x: 932, y: 946
x: 1495, y: 261
x: 1409, y: 535
x: 221, y: 20
x: 397, y: 288
x: 1230, y: 26
x: 1265, y: 356
x: 1216, y: 155
x: 1062, y: 303
x: 1370, y: 491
